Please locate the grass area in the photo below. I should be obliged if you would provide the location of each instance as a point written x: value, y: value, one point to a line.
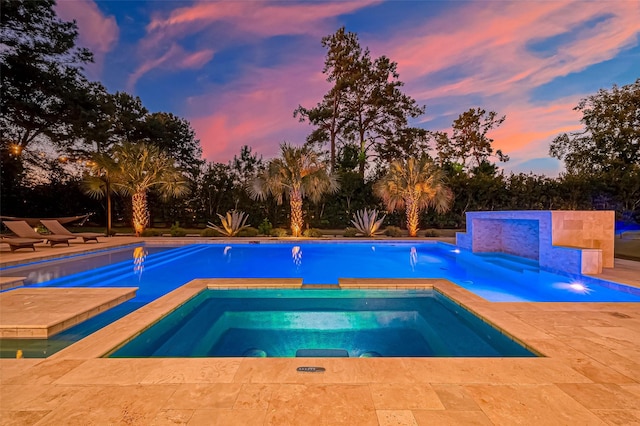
x: 627, y: 249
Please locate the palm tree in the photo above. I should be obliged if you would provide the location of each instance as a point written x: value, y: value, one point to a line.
x: 414, y: 184
x: 139, y: 167
x: 299, y: 173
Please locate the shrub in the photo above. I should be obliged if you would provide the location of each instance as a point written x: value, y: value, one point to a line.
x: 265, y: 227
x: 367, y: 222
x: 431, y: 233
x: 151, y: 232
x: 350, y: 232
x: 210, y: 232
x: 278, y: 232
x: 232, y: 223
x: 393, y: 231
x: 176, y: 231
x: 313, y: 233
x: 248, y: 231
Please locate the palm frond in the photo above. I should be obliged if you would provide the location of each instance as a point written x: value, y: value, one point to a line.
x: 94, y: 186
x: 416, y: 180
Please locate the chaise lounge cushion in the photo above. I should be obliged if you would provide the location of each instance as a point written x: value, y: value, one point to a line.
x: 56, y: 228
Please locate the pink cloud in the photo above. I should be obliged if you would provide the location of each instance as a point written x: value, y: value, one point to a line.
x: 241, y: 20
x: 175, y: 58
x: 258, y: 18
x: 490, y: 42
x: 256, y: 111
x: 528, y: 128
x: 96, y: 31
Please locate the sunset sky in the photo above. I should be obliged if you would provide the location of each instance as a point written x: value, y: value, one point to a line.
x: 237, y: 69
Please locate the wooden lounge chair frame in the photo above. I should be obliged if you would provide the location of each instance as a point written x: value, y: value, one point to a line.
x: 57, y: 228
x: 18, y: 243
x: 23, y: 230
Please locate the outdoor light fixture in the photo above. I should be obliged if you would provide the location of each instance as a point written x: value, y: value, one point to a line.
x: 15, y: 149
x: 574, y: 287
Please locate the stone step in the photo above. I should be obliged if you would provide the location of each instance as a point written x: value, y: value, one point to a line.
x: 39, y: 313
x: 7, y: 283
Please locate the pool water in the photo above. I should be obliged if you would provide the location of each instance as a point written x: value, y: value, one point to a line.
x: 295, y: 322
x: 156, y: 270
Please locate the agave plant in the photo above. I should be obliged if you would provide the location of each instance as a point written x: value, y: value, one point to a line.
x: 367, y: 222
x: 232, y: 223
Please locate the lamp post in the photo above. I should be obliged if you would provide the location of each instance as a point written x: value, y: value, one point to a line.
x: 108, y: 189
x: 93, y: 166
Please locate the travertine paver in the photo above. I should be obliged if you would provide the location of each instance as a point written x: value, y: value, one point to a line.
x: 396, y: 417
x: 396, y: 396
x: 527, y: 404
x: 451, y: 418
x: 590, y: 375
x: 35, y: 313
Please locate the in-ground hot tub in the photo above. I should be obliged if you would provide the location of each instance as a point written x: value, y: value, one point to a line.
x: 321, y: 323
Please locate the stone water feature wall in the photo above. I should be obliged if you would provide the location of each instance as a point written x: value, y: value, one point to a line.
x: 579, y: 242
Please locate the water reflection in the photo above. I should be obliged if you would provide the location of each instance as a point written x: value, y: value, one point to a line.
x: 139, y: 256
x: 413, y: 258
x: 227, y: 253
x: 296, y: 255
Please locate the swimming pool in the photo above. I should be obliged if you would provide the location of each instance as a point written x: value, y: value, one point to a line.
x: 321, y: 323
x: 156, y: 270
x: 159, y: 269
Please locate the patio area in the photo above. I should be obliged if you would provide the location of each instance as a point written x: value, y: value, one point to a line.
x: 589, y: 372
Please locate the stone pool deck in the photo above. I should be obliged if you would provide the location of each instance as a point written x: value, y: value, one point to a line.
x: 40, y: 313
x: 590, y: 373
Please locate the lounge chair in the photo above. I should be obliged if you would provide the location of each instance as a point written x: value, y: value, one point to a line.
x: 56, y: 228
x: 23, y: 230
x: 18, y: 243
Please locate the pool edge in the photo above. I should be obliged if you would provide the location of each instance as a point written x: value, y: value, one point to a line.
x: 115, y: 335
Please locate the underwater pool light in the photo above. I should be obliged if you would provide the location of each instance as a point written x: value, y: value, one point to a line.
x: 574, y: 287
